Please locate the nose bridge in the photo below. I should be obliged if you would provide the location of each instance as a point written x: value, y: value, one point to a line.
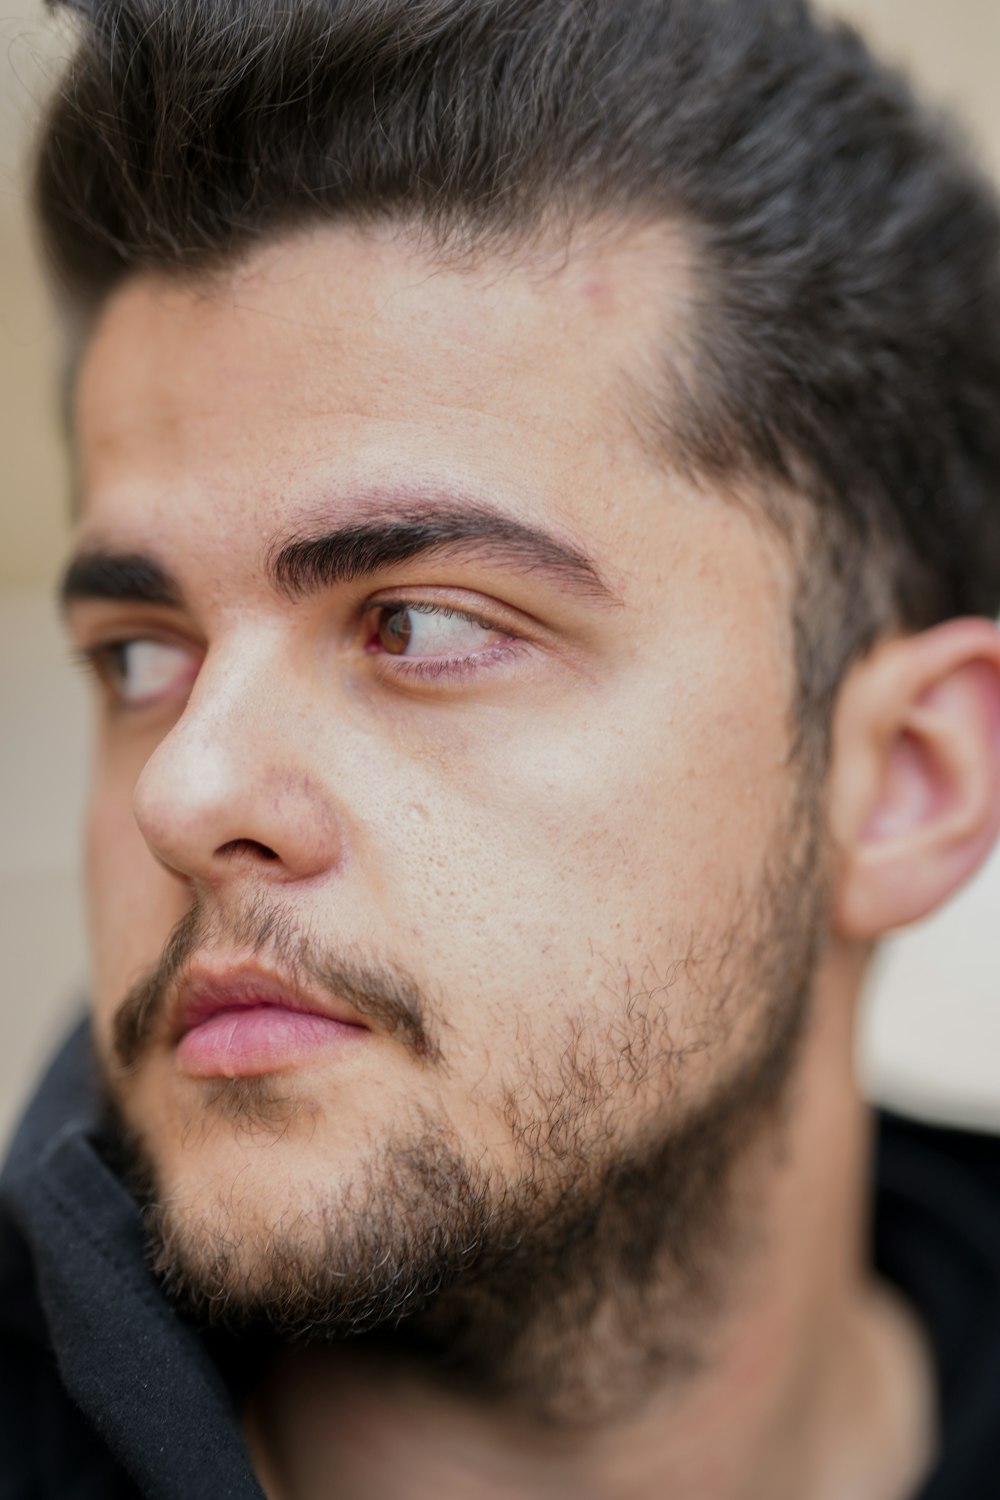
x: 232, y: 775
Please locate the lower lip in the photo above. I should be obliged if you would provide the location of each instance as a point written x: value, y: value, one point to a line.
x: 259, y: 1039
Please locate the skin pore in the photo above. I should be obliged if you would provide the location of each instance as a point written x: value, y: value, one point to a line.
x: 520, y: 794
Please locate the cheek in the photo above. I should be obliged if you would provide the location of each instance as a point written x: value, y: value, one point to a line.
x: 132, y: 902
x: 551, y: 868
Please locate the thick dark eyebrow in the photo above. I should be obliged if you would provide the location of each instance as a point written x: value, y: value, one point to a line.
x: 308, y: 564
x: 128, y: 577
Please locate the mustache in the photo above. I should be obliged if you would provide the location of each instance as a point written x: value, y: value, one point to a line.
x: 382, y: 994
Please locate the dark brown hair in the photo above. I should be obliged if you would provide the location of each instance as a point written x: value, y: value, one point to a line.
x: 848, y: 336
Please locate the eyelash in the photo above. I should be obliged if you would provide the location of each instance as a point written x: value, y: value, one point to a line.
x: 458, y: 666
x: 96, y: 660
x: 452, y: 667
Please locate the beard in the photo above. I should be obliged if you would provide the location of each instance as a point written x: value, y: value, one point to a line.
x: 574, y: 1283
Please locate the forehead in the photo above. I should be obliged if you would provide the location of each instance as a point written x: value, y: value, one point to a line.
x: 216, y: 419
x: 363, y: 352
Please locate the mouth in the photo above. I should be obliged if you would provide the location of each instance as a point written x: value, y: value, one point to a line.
x: 238, y: 1021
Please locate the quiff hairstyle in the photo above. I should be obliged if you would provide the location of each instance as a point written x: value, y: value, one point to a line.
x: 846, y: 338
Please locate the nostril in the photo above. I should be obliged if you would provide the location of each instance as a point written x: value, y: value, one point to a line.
x: 247, y: 846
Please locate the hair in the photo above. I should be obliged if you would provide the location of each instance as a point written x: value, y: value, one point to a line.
x: 847, y: 338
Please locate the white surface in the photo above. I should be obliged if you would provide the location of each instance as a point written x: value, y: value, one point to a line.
x: 930, y: 1042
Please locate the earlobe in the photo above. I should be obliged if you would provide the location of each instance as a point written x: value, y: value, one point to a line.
x: 915, y: 786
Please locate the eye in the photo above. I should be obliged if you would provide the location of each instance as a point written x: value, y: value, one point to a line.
x: 143, y: 670
x: 431, y: 630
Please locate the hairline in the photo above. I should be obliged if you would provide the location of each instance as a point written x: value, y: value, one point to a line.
x: 661, y: 403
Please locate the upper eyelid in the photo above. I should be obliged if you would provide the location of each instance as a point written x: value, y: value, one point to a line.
x: 430, y: 606
x: 95, y: 628
x: 514, y: 636
x: 105, y: 649
x: 492, y: 613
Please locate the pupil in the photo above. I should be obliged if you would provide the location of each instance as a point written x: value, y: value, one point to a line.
x: 395, y: 631
x: 118, y: 661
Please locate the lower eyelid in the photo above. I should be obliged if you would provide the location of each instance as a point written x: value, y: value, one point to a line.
x: 431, y: 667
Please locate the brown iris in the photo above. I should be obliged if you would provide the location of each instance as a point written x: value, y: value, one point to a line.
x: 394, y: 629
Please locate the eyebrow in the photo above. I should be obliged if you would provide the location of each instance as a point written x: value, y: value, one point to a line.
x: 128, y: 577
x: 308, y: 564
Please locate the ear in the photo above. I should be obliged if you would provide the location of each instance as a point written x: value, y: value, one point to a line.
x: 915, y: 779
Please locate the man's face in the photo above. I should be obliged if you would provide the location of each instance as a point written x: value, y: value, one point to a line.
x: 518, y: 801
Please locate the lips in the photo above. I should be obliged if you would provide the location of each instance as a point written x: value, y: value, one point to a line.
x: 241, y: 1021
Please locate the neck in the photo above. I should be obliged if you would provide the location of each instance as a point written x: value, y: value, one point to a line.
x: 807, y: 1380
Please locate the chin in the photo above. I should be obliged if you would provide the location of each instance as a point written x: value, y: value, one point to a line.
x: 300, y: 1232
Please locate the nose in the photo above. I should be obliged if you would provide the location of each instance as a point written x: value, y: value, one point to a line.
x: 234, y: 789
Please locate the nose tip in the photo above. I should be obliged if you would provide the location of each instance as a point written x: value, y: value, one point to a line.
x: 214, y: 805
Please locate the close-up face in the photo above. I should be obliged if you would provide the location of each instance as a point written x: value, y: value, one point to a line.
x: 455, y: 724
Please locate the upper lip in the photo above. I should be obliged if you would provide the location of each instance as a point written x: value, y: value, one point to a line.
x: 208, y: 989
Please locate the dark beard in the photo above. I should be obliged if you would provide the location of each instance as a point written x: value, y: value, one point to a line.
x: 502, y: 1286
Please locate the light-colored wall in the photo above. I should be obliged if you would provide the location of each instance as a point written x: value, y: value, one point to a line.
x: 932, y: 1034
x: 33, y: 517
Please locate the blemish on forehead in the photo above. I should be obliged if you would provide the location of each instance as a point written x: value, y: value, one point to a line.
x: 597, y: 292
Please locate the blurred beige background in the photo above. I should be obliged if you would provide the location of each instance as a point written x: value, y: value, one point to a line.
x: 931, y: 1039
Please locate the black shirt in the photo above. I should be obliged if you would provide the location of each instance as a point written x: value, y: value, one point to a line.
x: 105, y: 1394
